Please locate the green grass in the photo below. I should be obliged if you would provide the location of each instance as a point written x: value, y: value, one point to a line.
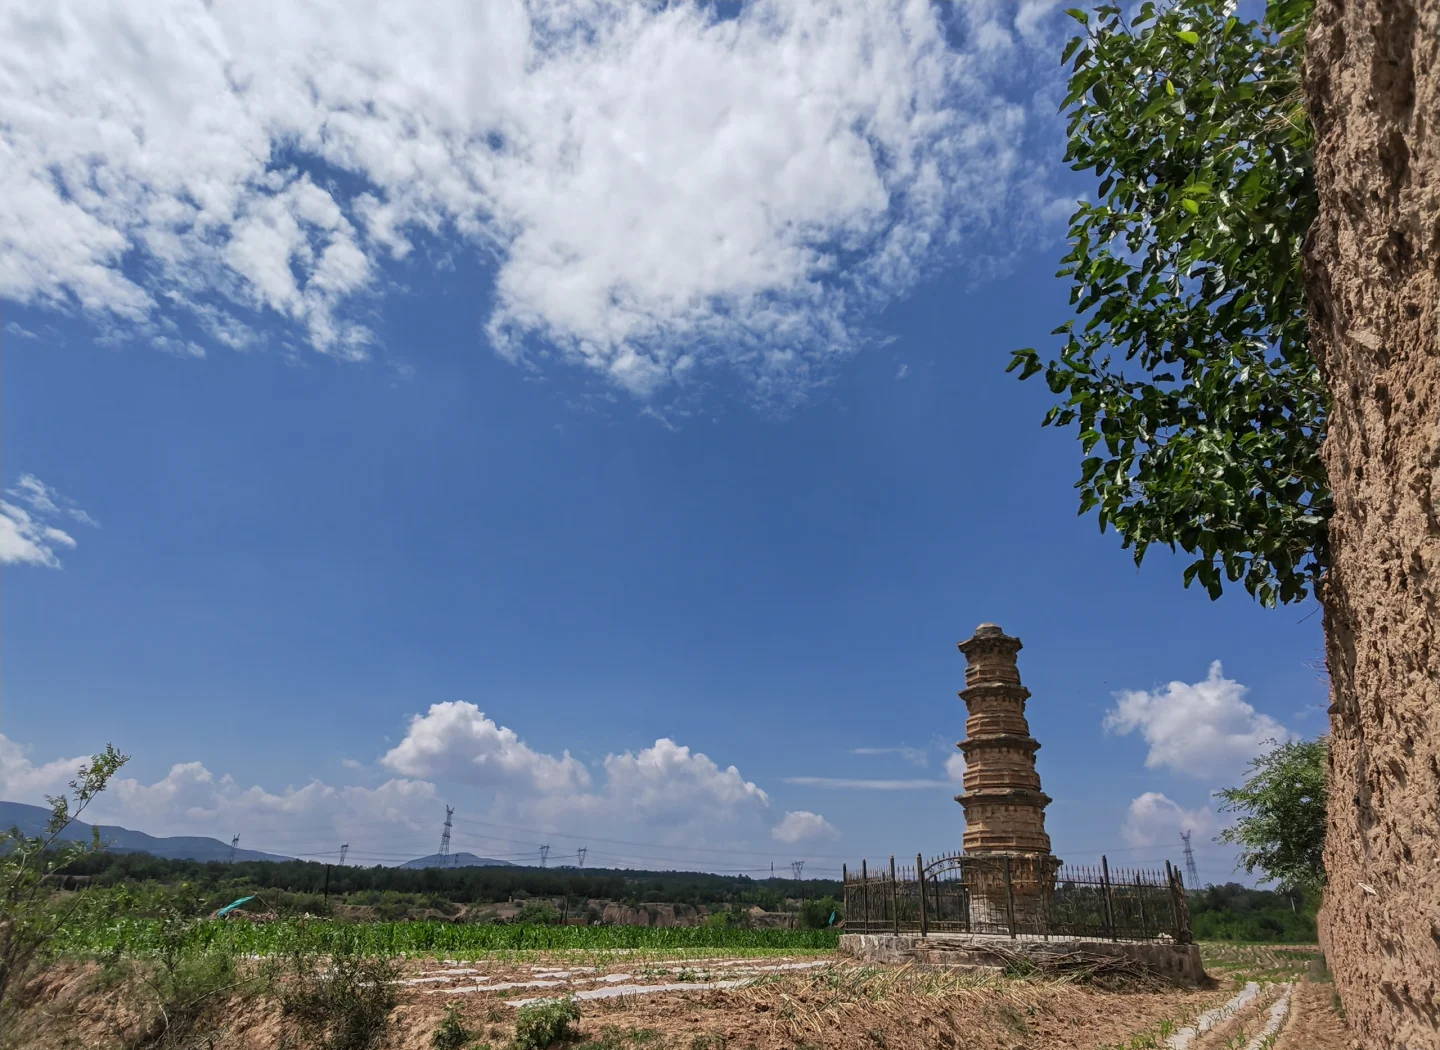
x: 143, y: 938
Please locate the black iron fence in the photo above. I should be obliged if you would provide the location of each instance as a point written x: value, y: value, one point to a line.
x: 1020, y: 895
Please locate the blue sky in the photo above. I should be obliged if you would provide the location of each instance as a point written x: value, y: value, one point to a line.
x: 673, y: 434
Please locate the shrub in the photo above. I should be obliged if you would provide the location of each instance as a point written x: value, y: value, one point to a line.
x: 815, y: 915
x: 537, y: 913
x: 452, y: 1033
x: 346, y: 1007
x: 545, y: 1023
x: 29, y: 921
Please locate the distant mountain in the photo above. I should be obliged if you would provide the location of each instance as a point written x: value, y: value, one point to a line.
x: 31, y: 821
x: 456, y: 860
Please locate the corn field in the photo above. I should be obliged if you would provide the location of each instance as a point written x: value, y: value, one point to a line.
x: 136, y: 938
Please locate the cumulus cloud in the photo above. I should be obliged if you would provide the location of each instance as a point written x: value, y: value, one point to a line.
x: 455, y: 741
x: 667, y: 792
x: 1154, y: 819
x: 803, y: 826
x: 190, y: 800
x: 30, y: 536
x: 24, y: 780
x: 1202, y: 729
x: 955, y: 767
x: 659, y: 187
x: 668, y: 779
x: 665, y: 786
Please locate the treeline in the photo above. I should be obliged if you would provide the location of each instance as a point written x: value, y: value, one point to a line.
x: 459, y: 885
x: 1233, y: 912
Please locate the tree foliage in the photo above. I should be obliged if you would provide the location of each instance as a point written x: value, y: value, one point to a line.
x: 29, y: 867
x: 1200, y: 410
x: 1281, y: 830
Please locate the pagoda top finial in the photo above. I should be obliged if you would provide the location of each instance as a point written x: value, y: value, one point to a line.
x: 989, y: 636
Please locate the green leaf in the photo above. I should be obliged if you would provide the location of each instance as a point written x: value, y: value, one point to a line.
x: 1189, y: 36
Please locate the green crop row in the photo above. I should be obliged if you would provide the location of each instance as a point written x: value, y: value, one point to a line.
x: 147, y: 937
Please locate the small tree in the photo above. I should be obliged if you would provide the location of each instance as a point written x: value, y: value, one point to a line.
x: 1281, y: 830
x: 29, y: 920
x: 1188, y: 372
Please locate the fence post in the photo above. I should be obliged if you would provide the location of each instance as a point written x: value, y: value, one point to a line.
x: 920, y: 874
x: 1109, y: 907
x: 894, y: 899
x: 1182, y: 907
x: 1174, y: 908
x: 1009, y: 897
x: 865, y: 890
x: 844, y: 894
x: 1140, y: 897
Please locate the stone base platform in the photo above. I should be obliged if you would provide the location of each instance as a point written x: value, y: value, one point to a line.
x: 1179, y: 963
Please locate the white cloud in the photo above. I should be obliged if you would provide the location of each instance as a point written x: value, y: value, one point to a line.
x: 455, y: 741
x: 667, y: 779
x: 23, y: 780
x: 955, y: 767
x: 1153, y: 819
x: 803, y: 826
x: 1204, y: 730
x: 914, y: 755
x: 866, y: 785
x: 28, y: 537
x: 658, y: 187
x: 903, y: 372
x: 666, y: 794
x: 16, y: 329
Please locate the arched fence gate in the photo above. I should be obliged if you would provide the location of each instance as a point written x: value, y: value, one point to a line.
x: 1018, y: 895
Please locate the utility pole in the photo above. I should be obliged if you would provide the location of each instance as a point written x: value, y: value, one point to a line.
x: 544, y: 854
x: 234, y: 843
x: 1191, y: 872
x: 581, y: 854
x: 445, y: 837
x: 344, y: 849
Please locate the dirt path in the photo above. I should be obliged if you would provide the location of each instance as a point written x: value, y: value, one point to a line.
x: 1314, y: 1024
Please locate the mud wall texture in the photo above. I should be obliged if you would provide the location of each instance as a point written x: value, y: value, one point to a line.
x: 1372, y: 85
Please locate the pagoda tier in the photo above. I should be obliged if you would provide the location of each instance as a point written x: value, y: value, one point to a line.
x: 1004, y: 806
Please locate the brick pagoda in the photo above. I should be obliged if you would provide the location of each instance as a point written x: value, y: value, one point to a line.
x: 1004, y: 806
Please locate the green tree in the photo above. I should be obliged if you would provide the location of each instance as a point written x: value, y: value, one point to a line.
x: 29, y: 870
x: 1199, y: 407
x: 1281, y: 830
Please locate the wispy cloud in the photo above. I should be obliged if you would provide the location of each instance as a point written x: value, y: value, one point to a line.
x: 914, y: 755
x: 867, y: 785
x: 903, y: 372
x: 30, y: 537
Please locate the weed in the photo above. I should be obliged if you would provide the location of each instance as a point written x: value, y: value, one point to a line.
x: 612, y: 1038
x: 1337, y: 1006
x: 1014, y: 1020
x: 452, y: 1033
x: 345, y: 1007
x: 714, y: 1041
x: 545, y: 1023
